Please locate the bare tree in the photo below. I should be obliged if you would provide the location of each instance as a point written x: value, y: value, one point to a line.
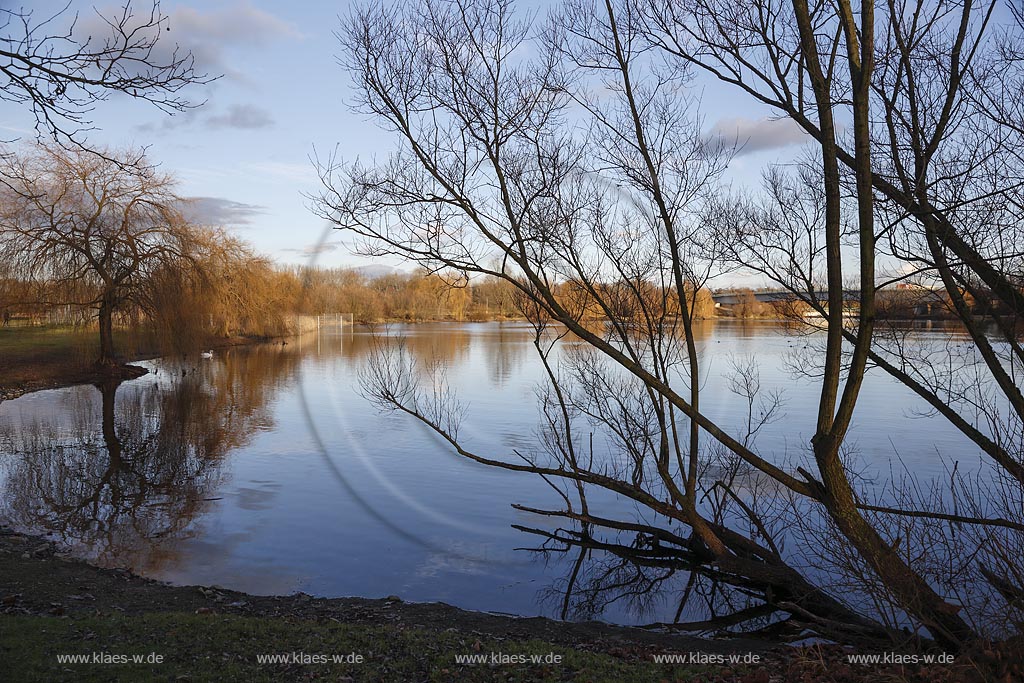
x: 61, y: 75
x: 933, y: 163
x: 577, y: 161
x: 92, y: 227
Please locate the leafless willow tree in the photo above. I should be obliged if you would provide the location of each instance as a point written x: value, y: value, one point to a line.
x: 569, y: 152
x: 90, y: 229
x: 49, y: 66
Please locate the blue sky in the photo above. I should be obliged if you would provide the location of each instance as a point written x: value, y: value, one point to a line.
x: 246, y: 152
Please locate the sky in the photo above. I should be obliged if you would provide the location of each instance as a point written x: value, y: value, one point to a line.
x: 245, y: 155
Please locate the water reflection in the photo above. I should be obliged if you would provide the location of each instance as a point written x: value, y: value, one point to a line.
x: 122, y: 470
x: 426, y: 342
x: 206, y: 471
x: 506, y: 354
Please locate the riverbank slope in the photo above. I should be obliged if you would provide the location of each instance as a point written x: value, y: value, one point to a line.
x: 53, y: 606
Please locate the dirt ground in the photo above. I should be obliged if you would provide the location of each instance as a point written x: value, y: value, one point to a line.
x: 38, y: 581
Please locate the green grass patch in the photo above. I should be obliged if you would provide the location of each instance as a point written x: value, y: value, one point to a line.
x: 48, y: 341
x: 227, y: 648
x: 53, y: 355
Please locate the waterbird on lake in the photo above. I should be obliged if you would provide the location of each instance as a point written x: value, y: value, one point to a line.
x: 207, y: 354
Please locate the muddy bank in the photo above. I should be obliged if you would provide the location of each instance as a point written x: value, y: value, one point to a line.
x: 63, y: 376
x: 48, y: 600
x: 36, y: 578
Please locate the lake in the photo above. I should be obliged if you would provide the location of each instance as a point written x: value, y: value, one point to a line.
x: 265, y: 470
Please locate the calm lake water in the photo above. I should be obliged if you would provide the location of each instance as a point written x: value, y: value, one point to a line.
x: 264, y: 469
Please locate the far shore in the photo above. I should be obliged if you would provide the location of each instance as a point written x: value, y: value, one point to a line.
x: 36, y: 358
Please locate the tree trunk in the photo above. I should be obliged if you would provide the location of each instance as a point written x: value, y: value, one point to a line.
x: 911, y: 591
x: 106, y: 358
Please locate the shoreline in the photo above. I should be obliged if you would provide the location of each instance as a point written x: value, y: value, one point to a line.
x: 90, y: 587
x: 58, y: 373
x: 49, y: 596
x: 9, y: 392
x: 52, y: 603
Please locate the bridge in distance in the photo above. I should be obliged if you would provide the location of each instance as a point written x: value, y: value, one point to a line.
x: 732, y: 298
x: 769, y: 297
x: 922, y: 300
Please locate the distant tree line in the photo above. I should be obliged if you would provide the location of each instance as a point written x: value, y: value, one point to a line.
x: 401, y: 296
x: 900, y: 303
x: 100, y: 238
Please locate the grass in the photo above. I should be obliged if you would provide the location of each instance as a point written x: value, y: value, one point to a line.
x: 32, y: 357
x: 47, y: 341
x: 210, y: 647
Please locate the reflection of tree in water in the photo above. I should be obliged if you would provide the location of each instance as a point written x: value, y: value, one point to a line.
x: 505, y: 346
x: 450, y: 347
x: 122, y: 480
x: 640, y: 578
x: 506, y: 350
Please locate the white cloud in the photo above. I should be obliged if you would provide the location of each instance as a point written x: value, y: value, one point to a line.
x: 244, y: 116
x: 315, y: 249
x: 241, y: 22
x: 238, y: 116
x: 207, y: 34
x: 219, y: 211
x: 751, y: 135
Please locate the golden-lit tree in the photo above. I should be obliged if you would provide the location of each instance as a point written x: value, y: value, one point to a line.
x: 228, y: 290
x: 90, y: 230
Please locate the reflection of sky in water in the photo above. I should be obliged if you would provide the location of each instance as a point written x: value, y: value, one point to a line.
x: 278, y: 516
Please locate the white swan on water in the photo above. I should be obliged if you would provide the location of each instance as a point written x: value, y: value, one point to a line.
x: 207, y: 354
